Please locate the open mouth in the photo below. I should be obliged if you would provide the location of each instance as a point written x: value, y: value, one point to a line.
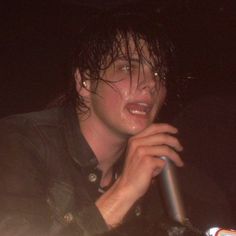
x: 139, y: 108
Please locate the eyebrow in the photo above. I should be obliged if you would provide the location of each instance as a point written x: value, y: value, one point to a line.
x: 123, y: 58
x: 141, y: 61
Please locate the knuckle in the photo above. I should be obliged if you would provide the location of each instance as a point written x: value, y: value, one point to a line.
x: 147, y: 163
x: 175, y: 141
x: 168, y: 127
x: 168, y: 151
x: 140, y: 151
x: 132, y: 143
x: 170, y: 140
x: 164, y: 125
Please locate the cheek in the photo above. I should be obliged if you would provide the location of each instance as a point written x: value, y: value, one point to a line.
x: 162, y: 95
x: 118, y: 92
x: 107, y: 97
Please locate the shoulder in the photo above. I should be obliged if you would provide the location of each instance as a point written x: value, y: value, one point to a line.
x: 46, y: 117
x: 28, y: 124
x: 31, y: 130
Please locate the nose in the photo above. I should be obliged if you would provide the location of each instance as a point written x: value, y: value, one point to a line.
x: 147, y: 80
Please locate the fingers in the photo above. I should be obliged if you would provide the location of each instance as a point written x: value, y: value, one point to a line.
x: 167, y: 152
x: 158, y: 151
x: 143, y: 154
x: 157, y: 128
x: 156, y: 140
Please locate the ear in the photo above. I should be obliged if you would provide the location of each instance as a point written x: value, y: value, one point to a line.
x: 82, y: 85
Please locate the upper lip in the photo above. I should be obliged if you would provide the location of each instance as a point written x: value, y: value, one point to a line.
x: 145, y: 101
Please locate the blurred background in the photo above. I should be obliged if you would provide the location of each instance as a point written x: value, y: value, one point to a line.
x: 36, y: 39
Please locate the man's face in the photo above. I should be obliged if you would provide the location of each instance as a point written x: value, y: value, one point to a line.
x: 124, y: 105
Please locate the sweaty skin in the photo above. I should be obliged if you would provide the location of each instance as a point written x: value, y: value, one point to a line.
x: 142, y: 164
x: 121, y: 119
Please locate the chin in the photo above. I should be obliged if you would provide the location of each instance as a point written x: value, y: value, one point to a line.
x: 137, y: 128
x: 134, y: 124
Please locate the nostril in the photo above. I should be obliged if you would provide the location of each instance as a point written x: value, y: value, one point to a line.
x: 147, y: 82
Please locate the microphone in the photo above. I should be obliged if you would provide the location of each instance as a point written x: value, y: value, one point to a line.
x: 171, y: 193
x: 175, y: 207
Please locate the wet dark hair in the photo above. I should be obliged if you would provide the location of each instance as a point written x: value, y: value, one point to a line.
x: 103, y: 40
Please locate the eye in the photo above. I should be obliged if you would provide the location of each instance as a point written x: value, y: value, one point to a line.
x: 126, y: 68
x: 130, y: 68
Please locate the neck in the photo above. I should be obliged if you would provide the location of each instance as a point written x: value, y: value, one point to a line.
x: 107, y: 146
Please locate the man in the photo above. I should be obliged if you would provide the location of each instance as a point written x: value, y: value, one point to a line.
x: 87, y: 167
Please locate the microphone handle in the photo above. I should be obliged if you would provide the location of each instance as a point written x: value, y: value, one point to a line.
x: 171, y: 193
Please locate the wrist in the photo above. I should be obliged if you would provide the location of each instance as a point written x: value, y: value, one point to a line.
x: 115, y: 203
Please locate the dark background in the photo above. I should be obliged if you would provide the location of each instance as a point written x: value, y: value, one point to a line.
x: 36, y: 39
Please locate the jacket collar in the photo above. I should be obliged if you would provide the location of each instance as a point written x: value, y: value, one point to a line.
x: 78, y: 147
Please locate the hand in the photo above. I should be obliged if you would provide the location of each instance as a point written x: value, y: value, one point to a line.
x: 143, y: 157
x: 142, y: 163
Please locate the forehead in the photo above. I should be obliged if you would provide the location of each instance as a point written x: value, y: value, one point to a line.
x: 133, y: 47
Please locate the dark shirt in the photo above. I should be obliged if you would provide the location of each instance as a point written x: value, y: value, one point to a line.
x: 49, y: 182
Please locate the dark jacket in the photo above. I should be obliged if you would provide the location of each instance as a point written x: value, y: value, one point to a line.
x: 49, y: 181
x: 48, y: 176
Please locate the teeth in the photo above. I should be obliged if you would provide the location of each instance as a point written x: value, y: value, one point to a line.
x: 137, y: 112
x: 139, y: 108
x: 143, y: 104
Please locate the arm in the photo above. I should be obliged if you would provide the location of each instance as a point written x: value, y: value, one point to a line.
x: 23, y: 209
x: 142, y: 164
x: 24, y: 206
